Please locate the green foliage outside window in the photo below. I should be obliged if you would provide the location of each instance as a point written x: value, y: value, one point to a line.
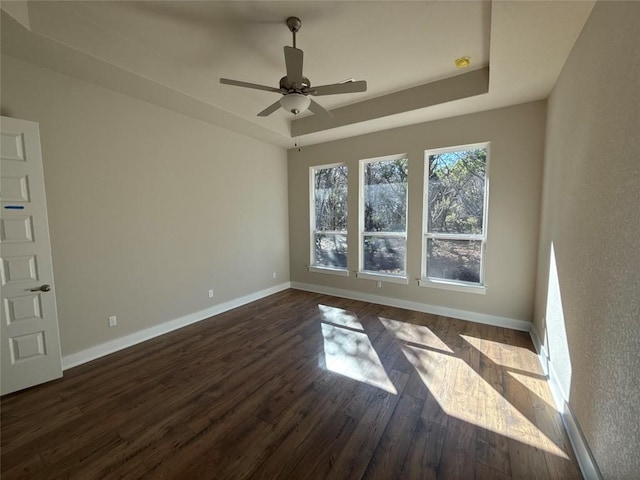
x: 455, y: 208
x: 385, y: 190
x: 456, y: 192
x: 385, y: 212
x: 330, y: 200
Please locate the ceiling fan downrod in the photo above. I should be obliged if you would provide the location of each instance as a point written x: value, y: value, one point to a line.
x: 294, y: 24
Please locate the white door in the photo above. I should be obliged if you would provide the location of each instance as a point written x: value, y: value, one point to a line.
x: 29, y: 337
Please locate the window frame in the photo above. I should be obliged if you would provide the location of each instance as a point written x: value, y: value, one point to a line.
x: 448, y: 284
x: 313, y: 267
x: 367, y: 274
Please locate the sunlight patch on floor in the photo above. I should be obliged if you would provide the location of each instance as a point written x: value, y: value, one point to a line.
x: 538, y: 386
x: 529, y: 373
x: 338, y: 316
x: 462, y: 393
x: 351, y: 354
x: 503, y: 354
x: 409, y: 332
x: 491, y: 349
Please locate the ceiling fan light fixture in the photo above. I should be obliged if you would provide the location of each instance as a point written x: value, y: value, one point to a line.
x: 295, y: 103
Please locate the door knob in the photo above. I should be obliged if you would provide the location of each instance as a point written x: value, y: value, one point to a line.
x: 41, y: 288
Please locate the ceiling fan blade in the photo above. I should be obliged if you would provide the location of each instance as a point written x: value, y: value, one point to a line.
x: 293, y: 60
x: 255, y: 86
x: 318, y: 109
x: 270, y: 109
x: 334, y: 88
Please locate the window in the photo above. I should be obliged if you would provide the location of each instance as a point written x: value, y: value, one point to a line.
x: 329, y: 219
x: 455, y: 210
x: 383, y: 217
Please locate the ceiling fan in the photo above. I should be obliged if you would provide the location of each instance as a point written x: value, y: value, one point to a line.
x: 296, y: 88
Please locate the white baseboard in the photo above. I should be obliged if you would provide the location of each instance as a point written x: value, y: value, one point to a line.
x: 75, y: 359
x: 417, y: 306
x: 587, y: 463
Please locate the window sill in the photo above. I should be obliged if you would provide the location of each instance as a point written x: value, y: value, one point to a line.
x: 455, y: 286
x: 330, y: 271
x: 383, y: 277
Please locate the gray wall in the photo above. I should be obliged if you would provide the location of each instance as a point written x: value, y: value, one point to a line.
x: 515, y: 171
x: 148, y: 209
x: 588, y: 305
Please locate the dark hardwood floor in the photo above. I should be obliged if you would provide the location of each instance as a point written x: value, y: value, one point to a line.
x: 295, y: 386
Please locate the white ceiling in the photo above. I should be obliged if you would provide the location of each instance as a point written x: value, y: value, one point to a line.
x: 173, y: 53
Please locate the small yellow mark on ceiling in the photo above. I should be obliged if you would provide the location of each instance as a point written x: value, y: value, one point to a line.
x: 463, y: 62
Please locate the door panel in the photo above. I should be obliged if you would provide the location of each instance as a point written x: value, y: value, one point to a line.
x: 12, y: 146
x: 18, y: 229
x: 29, y: 336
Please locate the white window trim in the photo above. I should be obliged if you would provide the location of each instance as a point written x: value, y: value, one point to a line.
x: 383, y: 277
x: 455, y: 285
x: 385, y: 234
x: 312, y: 224
x: 342, y: 272
x: 367, y: 274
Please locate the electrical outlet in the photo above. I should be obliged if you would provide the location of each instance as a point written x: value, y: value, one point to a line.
x: 113, y: 321
x: 210, y: 293
x: 379, y: 284
x: 274, y: 275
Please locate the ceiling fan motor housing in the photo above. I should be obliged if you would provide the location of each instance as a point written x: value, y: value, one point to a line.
x: 294, y: 87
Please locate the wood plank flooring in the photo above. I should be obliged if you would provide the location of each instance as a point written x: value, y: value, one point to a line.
x: 297, y: 386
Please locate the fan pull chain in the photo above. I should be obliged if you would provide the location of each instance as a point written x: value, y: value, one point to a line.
x: 296, y: 144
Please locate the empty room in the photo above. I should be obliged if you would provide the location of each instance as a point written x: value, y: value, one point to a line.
x: 320, y: 239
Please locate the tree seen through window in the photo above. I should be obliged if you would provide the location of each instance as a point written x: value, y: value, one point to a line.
x: 330, y: 216
x: 455, y: 214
